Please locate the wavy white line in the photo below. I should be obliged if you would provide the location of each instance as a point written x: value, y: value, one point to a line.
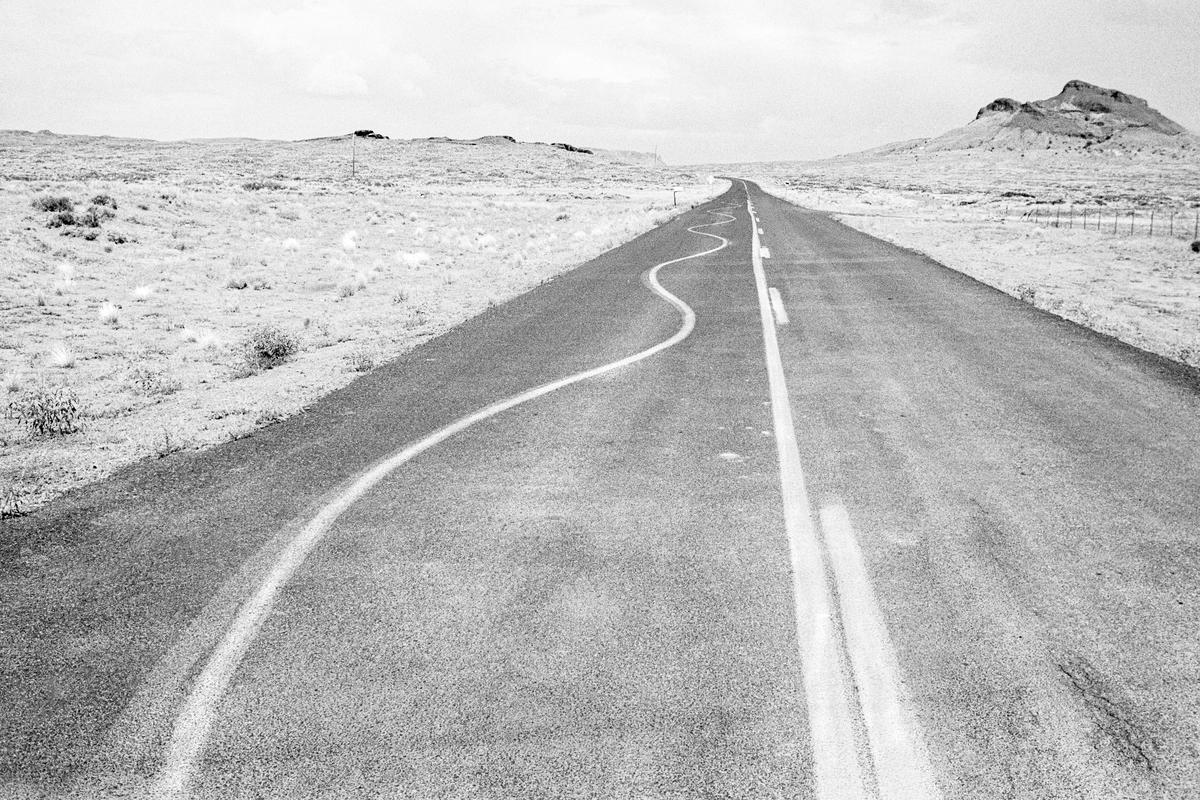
x: 194, y: 722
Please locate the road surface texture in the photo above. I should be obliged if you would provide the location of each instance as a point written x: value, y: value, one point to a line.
x: 919, y: 541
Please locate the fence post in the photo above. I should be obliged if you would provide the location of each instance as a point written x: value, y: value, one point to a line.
x: 1172, y: 231
x: 1057, y: 215
x: 1132, y: 216
x: 1115, y: 215
x: 1196, y: 229
x: 1151, y: 222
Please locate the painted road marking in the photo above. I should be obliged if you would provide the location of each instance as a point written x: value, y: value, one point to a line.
x: 819, y: 261
x: 898, y: 760
x: 835, y: 758
x: 760, y: 231
x: 764, y: 251
x: 195, y: 720
x: 781, y: 317
x: 902, y: 766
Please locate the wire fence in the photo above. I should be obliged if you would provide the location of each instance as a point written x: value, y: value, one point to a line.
x: 1183, y: 223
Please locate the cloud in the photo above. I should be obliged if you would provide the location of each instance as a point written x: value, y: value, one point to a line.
x: 335, y: 75
x: 699, y: 78
x: 334, y: 50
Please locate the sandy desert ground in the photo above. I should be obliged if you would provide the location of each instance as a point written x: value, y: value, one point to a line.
x: 145, y: 321
x: 1015, y: 220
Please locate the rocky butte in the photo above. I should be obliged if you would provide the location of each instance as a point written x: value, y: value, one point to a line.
x: 1081, y: 117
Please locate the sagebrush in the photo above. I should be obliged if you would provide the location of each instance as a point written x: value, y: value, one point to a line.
x: 45, y: 410
x: 269, y: 346
x: 49, y: 203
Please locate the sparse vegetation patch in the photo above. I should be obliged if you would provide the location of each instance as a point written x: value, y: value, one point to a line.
x: 269, y: 346
x: 46, y: 410
x: 49, y: 203
x: 149, y: 380
x: 61, y: 218
x: 149, y: 338
x: 361, y: 359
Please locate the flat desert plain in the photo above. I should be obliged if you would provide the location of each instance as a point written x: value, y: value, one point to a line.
x: 1069, y: 232
x: 157, y: 315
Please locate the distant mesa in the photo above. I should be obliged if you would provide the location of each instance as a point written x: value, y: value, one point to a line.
x: 632, y: 157
x: 500, y: 140
x: 1083, y: 110
x: 1083, y: 116
x: 624, y: 156
x: 570, y: 148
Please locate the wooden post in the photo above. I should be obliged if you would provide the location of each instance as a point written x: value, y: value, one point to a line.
x: 1115, y: 215
x: 1132, y: 216
x: 1151, y: 222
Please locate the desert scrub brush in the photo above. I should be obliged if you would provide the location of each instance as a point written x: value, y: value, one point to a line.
x: 46, y: 410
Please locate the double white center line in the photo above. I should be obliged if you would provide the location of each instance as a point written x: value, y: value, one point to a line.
x: 896, y: 757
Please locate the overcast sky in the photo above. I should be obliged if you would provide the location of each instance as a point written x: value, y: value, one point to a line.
x: 698, y: 80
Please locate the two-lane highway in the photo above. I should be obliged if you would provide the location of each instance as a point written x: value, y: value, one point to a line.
x: 1025, y: 493
x: 835, y: 523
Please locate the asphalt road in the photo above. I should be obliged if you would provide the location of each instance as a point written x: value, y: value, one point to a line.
x: 596, y: 593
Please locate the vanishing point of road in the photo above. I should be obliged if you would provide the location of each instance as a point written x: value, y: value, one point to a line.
x: 753, y: 506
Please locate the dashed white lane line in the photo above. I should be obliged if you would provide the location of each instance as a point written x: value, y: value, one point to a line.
x: 835, y: 759
x: 777, y: 307
x: 902, y: 766
x: 195, y: 719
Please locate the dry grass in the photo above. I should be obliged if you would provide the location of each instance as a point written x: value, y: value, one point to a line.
x: 968, y: 210
x: 439, y: 232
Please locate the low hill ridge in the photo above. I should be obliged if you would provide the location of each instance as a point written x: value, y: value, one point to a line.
x: 1083, y: 116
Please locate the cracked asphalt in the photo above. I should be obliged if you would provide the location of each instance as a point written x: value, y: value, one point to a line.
x: 589, y: 595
